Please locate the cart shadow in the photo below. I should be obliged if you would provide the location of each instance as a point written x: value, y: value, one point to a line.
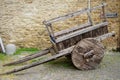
x: 61, y: 63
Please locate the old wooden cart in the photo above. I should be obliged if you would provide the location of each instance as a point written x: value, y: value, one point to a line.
x: 80, y: 43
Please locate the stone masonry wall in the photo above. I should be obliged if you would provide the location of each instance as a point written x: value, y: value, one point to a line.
x: 21, y: 20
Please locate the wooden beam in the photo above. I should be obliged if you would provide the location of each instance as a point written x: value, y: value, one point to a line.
x: 103, y: 14
x: 97, y: 7
x: 89, y: 4
x: 72, y: 29
x: 72, y: 14
x: 105, y: 36
x: 68, y: 36
x: 89, y: 17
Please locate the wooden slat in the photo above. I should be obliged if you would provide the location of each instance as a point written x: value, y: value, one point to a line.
x: 100, y: 38
x: 72, y: 14
x: 68, y: 36
x: 94, y: 8
x: 89, y: 17
x: 103, y: 10
x: 72, y: 29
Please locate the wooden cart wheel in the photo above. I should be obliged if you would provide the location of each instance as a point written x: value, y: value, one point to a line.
x: 87, y: 54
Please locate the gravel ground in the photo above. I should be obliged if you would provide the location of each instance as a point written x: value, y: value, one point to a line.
x: 63, y: 69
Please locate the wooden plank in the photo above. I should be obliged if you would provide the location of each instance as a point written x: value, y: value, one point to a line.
x: 99, y: 6
x: 105, y: 36
x: 89, y: 4
x: 89, y: 17
x: 72, y: 29
x: 72, y: 14
x: 65, y: 37
x: 104, y: 17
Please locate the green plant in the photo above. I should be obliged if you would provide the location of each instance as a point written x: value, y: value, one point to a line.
x: 2, y: 56
x: 19, y: 51
x: 29, y: 50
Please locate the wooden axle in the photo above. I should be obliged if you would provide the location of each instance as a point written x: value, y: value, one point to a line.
x: 88, y: 54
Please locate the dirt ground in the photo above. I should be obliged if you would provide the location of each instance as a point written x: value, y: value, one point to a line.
x: 62, y: 69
